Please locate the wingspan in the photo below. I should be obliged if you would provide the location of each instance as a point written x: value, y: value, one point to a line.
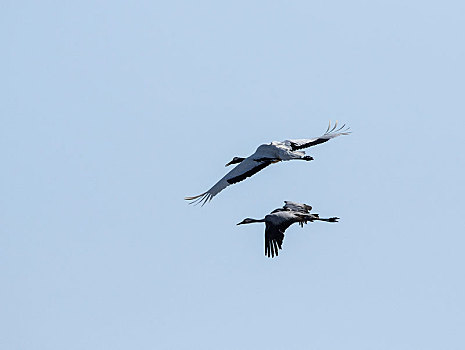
x: 243, y: 170
x: 328, y: 135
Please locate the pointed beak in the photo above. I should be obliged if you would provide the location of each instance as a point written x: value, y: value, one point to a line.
x: 240, y: 223
x: 231, y: 162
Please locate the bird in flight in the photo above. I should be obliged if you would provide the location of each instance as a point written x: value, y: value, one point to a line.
x: 264, y: 156
x: 280, y: 219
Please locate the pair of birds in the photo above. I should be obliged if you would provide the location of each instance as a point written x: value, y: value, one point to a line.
x: 279, y: 219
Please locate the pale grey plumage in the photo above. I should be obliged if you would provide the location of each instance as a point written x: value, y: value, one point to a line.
x: 264, y: 156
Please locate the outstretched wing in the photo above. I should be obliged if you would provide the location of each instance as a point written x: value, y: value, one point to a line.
x: 300, y: 207
x: 273, y: 239
x: 328, y: 135
x: 243, y: 170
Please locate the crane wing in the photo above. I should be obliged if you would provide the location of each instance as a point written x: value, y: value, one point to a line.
x: 273, y: 239
x: 328, y: 135
x: 243, y: 170
x: 300, y: 207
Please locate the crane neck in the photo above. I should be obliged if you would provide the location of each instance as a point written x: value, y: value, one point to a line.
x: 250, y: 221
x: 256, y: 220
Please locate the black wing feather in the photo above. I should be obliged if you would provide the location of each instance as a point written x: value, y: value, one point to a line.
x: 296, y: 146
x: 260, y: 165
x: 328, y: 135
x: 273, y: 240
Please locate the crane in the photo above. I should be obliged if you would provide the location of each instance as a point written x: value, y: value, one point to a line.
x: 264, y: 156
x: 280, y: 219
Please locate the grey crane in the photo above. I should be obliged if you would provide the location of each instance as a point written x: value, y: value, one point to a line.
x: 264, y: 156
x: 280, y: 219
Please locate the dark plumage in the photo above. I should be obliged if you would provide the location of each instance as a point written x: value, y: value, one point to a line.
x: 277, y: 222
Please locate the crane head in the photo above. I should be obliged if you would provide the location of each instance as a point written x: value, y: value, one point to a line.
x: 235, y: 160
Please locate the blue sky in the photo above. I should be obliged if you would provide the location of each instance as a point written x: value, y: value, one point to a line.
x: 112, y: 112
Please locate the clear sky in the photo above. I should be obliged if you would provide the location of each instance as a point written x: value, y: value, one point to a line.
x: 113, y: 111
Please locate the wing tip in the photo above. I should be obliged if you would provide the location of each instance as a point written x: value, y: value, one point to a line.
x: 200, y: 199
x: 272, y: 248
x: 335, y: 131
